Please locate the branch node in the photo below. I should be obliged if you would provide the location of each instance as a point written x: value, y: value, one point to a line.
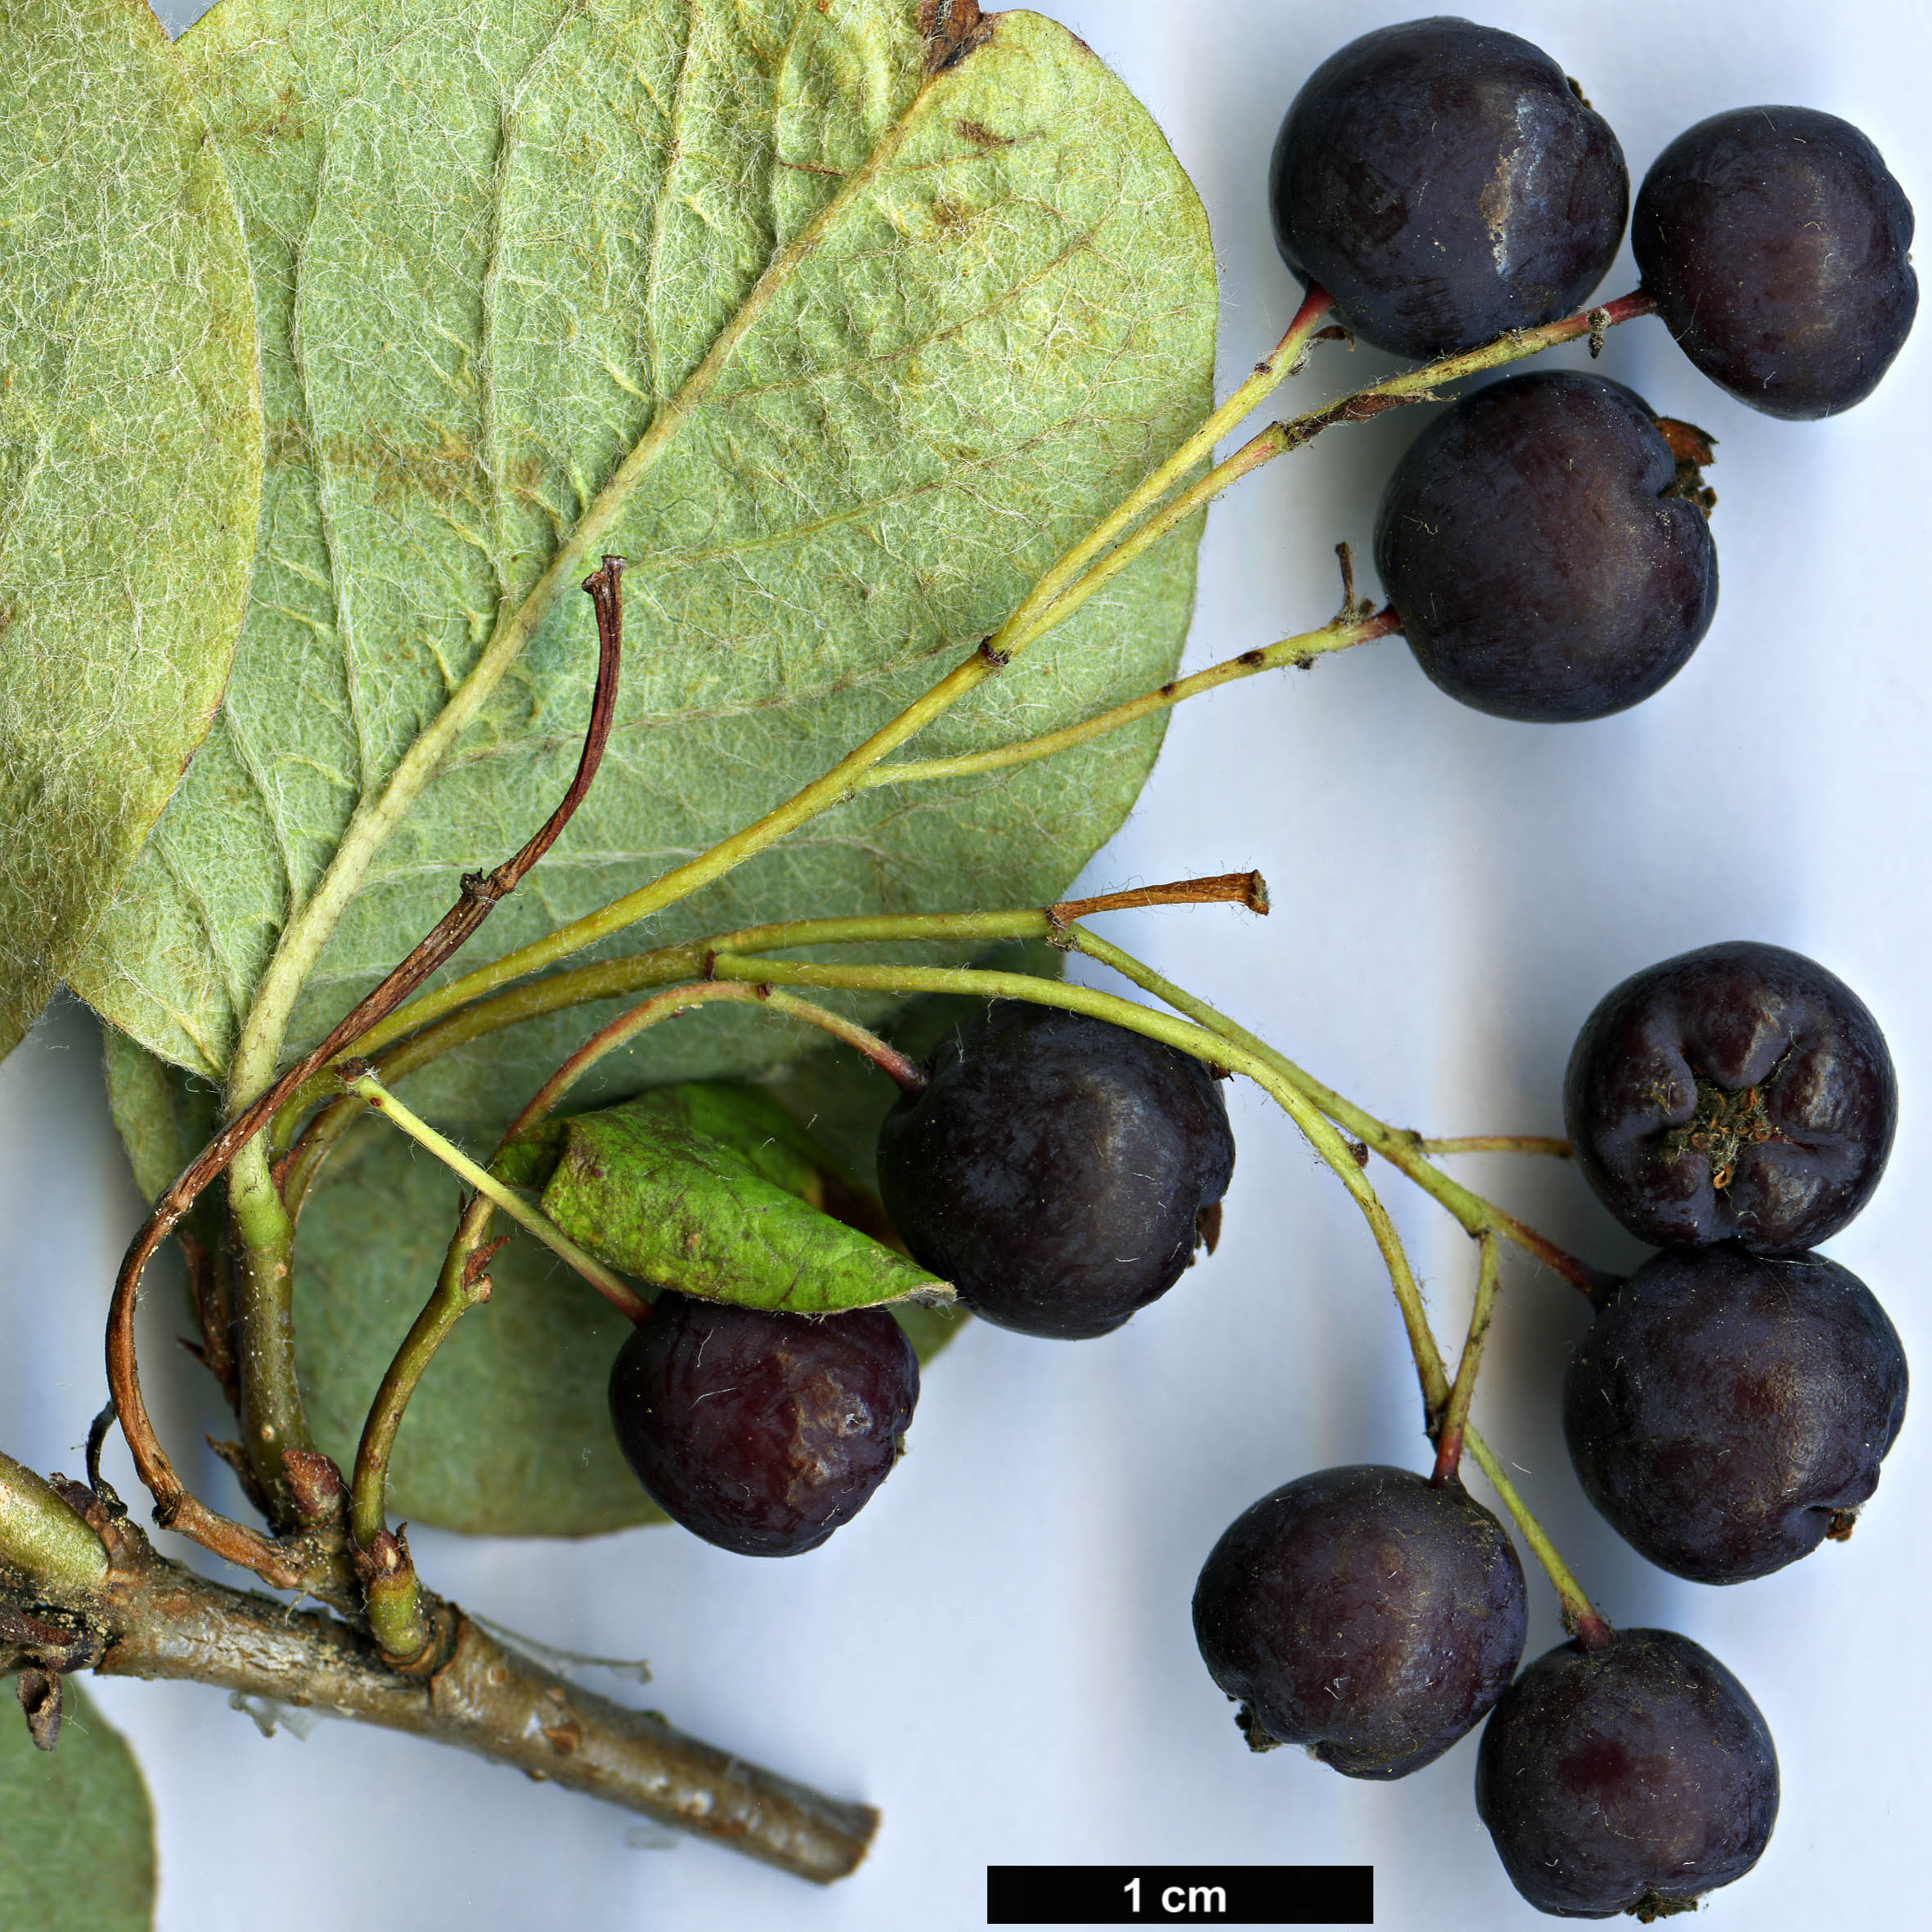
x: 315, y: 1486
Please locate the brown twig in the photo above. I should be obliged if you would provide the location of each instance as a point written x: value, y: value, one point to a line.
x: 174, y: 1507
x: 157, y: 1619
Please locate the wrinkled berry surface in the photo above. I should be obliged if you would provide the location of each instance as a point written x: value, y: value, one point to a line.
x: 1538, y: 546
x: 1364, y: 1614
x: 1778, y: 247
x: 1740, y: 1092
x: 1444, y: 183
x: 1726, y: 1408
x: 1627, y: 1779
x: 1054, y: 1166
x: 761, y: 1432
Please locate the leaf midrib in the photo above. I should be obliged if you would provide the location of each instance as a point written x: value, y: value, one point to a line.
x: 372, y: 823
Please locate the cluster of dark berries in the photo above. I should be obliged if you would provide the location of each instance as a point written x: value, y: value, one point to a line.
x: 1057, y: 1171
x: 1545, y: 545
x: 1730, y: 1406
x: 1727, y: 1412
x: 1545, y: 542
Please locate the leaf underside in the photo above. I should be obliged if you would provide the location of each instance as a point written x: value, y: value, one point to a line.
x: 130, y: 463
x: 875, y: 344
x: 77, y: 1833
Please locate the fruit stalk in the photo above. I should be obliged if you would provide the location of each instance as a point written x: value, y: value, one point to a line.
x: 1400, y: 1148
x: 1346, y: 630
x: 1455, y: 1416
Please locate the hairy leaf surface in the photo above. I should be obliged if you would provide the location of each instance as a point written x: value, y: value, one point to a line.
x: 76, y: 1842
x: 130, y: 462
x: 838, y: 350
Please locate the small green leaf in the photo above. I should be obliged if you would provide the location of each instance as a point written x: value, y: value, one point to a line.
x: 849, y: 349
x: 130, y: 463
x: 77, y: 1833
x: 792, y: 1157
x: 640, y: 1189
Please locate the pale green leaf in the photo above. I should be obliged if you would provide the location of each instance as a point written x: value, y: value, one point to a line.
x: 130, y: 462
x: 639, y: 1187
x: 77, y: 1835
x: 888, y: 340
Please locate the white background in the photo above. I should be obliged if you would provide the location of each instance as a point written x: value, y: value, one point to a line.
x: 999, y: 1652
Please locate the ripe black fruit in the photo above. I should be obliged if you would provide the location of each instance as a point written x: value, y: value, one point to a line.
x: 1726, y: 1408
x: 1546, y: 551
x: 1444, y: 183
x: 1738, y: 1092
x: 761, y: 1432
x: 1055, y: 1166
x: 1777, y: 246
x: 1362, y: 1613
x: 1626, y: 1779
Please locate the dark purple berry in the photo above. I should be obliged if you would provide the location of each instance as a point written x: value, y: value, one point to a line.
x: 1547, y: 551
x: 1777, y: 247
x: 1728, y: 1410
x: 1444, y: 183
x: 760, y: 1432
x: 1056, y: 1167
x: 1363, y: 1613
x: 1740, y: 1092
x: 1627, y: 1779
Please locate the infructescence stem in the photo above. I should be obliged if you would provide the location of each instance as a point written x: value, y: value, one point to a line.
x: 1454, y: 1424
x: 1400, y: 1148
x: 1029, y: 623
x: 1218, y: 1047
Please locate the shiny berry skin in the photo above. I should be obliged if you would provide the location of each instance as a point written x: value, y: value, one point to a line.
x: 1740, y: 1092
x: 1727, y: 1411
x: 1548, y: 556
x: 1632, y: 1779
x: 1444, y: 183
x: 1778, y: 247
x: 1364, y: 1614
x: 1055, y: 1168
x: 760, y: 1432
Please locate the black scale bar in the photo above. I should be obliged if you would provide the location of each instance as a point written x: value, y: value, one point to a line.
x: 1181, y: 1895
